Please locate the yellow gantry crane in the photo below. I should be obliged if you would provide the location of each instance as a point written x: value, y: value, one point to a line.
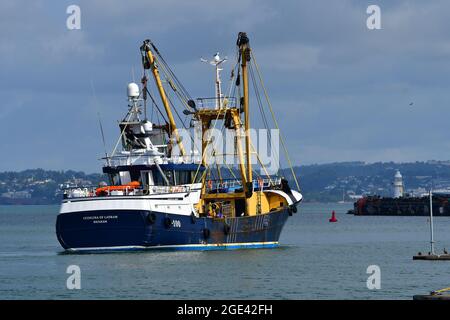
x: 206, y: 116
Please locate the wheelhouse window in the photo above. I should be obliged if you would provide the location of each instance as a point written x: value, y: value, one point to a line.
x: 183, y: 177
x: 170, y: 176
x: 177, y: 177
x: 114, y: 179
x: 136, y: 176
x: 197, y: 176
x: 187, y: 176
x: 159, y: 179
x: 145, y: 178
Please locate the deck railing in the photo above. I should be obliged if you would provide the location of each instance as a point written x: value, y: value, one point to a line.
x: 90, y: 192
x: 212, y: 103
x: 136, y: 159
x: 229, y: 185
x: 212, y: 186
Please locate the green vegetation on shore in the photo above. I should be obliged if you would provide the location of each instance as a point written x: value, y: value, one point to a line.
x: 319, y: 182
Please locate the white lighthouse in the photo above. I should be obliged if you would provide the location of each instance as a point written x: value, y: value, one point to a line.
x: 398, y: 185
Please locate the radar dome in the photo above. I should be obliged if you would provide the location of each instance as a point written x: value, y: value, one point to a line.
x: 148, y: 126
x: 133, y: 90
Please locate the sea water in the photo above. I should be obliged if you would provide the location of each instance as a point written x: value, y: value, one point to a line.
x: 316, y: 260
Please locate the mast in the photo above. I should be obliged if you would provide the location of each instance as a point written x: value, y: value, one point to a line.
x: 216, y: 62
x: 149, y: 63
x: 218, y: 85
x: 232, y: 114
x: 431, y: 223
x: 238, y: 127
x: 245, y: 54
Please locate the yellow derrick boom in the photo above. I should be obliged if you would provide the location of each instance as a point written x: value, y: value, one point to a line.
x: 152, y: 66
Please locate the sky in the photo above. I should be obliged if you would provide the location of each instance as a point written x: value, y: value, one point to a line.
x: 342, y: 92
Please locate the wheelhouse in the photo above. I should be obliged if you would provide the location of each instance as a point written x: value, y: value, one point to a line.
x: 155, y: 175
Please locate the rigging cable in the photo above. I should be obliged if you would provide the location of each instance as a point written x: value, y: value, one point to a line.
x: 99, y: 121
x: 156, y: 105
x: 170, y: 79
x: 204, y: 153
x: 168, y: 71
x: 121, y: 134
x: 263, y: 115
x: 275, y: 121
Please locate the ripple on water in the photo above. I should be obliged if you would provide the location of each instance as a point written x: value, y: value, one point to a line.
x: 316, y: 260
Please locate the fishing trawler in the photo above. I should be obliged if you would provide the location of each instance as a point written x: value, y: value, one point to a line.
x: 156, y: 198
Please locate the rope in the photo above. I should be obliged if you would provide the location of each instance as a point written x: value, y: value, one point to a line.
x: 225, y: 154
x: 260, y: 162
x: 204, y: 153
x: 171, y: 78
x: 169, y: 71
x: 263, y: 115
x: 121, y: 134
x: 276, y: 122
x: 223, y: 125
x: 156, y: 105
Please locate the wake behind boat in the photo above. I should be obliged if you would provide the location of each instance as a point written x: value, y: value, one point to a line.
x: 158, y: 199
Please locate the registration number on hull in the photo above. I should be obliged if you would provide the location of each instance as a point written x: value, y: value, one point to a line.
x: 176, y: 223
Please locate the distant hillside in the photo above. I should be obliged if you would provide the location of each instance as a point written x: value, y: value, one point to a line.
x: 328, y: 182
x: 38, y: 186
x: 319, y: 183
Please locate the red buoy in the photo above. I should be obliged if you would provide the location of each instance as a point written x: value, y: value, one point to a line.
x: 333, y: 217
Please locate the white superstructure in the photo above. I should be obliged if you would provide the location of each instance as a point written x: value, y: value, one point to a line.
x: 142, y: 174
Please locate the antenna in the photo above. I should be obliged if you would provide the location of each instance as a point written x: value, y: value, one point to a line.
x: 132, y: 74
x: 103, y: 134
x: 216, y: 62
x: 431, y: 222
x: 99, y: 120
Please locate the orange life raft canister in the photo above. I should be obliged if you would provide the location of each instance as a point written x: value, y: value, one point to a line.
x: 106, y: 190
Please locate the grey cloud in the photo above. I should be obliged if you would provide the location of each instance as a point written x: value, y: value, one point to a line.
x: 342, y: 91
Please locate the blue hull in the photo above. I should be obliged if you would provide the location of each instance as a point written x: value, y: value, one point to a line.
x: 140, y: 230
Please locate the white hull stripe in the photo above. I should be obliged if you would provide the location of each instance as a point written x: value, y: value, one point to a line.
x: 183, y: 246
